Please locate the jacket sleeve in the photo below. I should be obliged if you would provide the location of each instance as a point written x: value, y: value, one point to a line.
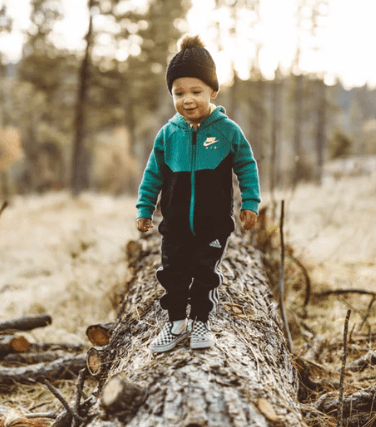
x: 152, y: 180
x: 245, y: 168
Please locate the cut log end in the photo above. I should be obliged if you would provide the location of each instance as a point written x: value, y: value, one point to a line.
x: 95, y: 361
x: 20, y: 344
x: 98, y: 336
x: 120, y: 395
x: 12, y: 344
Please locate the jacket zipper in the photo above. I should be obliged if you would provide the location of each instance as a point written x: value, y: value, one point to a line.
x: 193, y: 188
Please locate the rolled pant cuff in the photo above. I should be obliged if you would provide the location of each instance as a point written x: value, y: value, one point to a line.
x: 203, y: 317
x: 174, y: 315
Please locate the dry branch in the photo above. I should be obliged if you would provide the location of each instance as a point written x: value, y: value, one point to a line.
x: 281, y: 279
x: 67, y: 347
x: 363, y: 362
x: 59, y: 396
x: 26, y: 323
x: 222, y: 386
x: 306, y: 278
x: 33, y: 358
x: 343, y: 367
x: 61, y: 368
x: 9, y: 417
x: 344, y: 291
x: 358, y: 404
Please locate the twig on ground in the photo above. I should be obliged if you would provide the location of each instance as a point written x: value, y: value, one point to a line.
x: 358, y: 365
x: 368, y: 312
x: 340, y: 397
x: 344, y: 291
x: 51, y: 415
x: 79, y: 393
x: 280, y: 283
x: 60, y: 397
x: 306, y: 277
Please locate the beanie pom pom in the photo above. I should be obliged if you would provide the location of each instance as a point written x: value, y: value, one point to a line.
x: 190, y: 42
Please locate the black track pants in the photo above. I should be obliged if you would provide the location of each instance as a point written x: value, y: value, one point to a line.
x: 190, y: 274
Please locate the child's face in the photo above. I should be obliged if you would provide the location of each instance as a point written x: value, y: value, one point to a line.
x: 191, y: 98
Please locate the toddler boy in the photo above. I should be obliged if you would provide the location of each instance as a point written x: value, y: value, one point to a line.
x: 191, y: 165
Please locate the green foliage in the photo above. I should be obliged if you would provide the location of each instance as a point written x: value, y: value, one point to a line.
x: 339, y: 145
x: 125, y: 80
x: 128, y: 54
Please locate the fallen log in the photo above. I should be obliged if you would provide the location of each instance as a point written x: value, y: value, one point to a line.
x: 12, y: 343
x: 26, y: 323
x: 247, y: 379
x: 62, y: 368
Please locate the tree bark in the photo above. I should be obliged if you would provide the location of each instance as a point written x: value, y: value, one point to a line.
x: 247, y: 379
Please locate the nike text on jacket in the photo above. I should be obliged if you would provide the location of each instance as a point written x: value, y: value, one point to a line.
x: 193, y: 172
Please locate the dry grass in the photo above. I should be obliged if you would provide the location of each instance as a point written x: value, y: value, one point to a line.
x: 331, y: 230
x: 66, y: 257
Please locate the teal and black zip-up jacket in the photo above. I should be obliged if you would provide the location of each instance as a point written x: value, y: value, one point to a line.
x: 193, y: 171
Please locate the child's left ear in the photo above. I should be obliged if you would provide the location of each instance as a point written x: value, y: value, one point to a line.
x: 214, y: 94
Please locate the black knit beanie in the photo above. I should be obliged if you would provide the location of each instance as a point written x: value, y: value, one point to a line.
x: 193, y: 60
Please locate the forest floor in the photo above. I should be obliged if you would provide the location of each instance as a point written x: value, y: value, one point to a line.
x: 66, y: 257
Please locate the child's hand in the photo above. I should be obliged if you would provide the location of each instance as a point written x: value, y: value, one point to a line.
x: 249, y: 219
x: 143, y: 224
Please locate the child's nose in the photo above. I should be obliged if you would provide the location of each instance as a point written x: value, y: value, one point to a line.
x: 187, y: 99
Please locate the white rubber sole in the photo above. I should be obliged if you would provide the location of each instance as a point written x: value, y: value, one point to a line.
x: 170, y: 346
x: 202, y: 344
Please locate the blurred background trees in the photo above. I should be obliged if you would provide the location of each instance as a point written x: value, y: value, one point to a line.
x: 86, y: 119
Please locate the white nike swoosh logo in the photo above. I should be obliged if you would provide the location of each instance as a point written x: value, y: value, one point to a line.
x: 210, y: 141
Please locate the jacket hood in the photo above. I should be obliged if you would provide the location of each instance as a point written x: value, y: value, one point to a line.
x: 218, y: 114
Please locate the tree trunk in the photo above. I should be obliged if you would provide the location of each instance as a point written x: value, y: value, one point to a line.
x: 247, y: 379
x: 298, y: 124
x: 321, y: 128
x: 275, y: 136
x: 80, y: 178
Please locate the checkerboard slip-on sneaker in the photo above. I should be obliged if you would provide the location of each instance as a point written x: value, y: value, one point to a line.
x: 171, y: 334
x: 201, y: 336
